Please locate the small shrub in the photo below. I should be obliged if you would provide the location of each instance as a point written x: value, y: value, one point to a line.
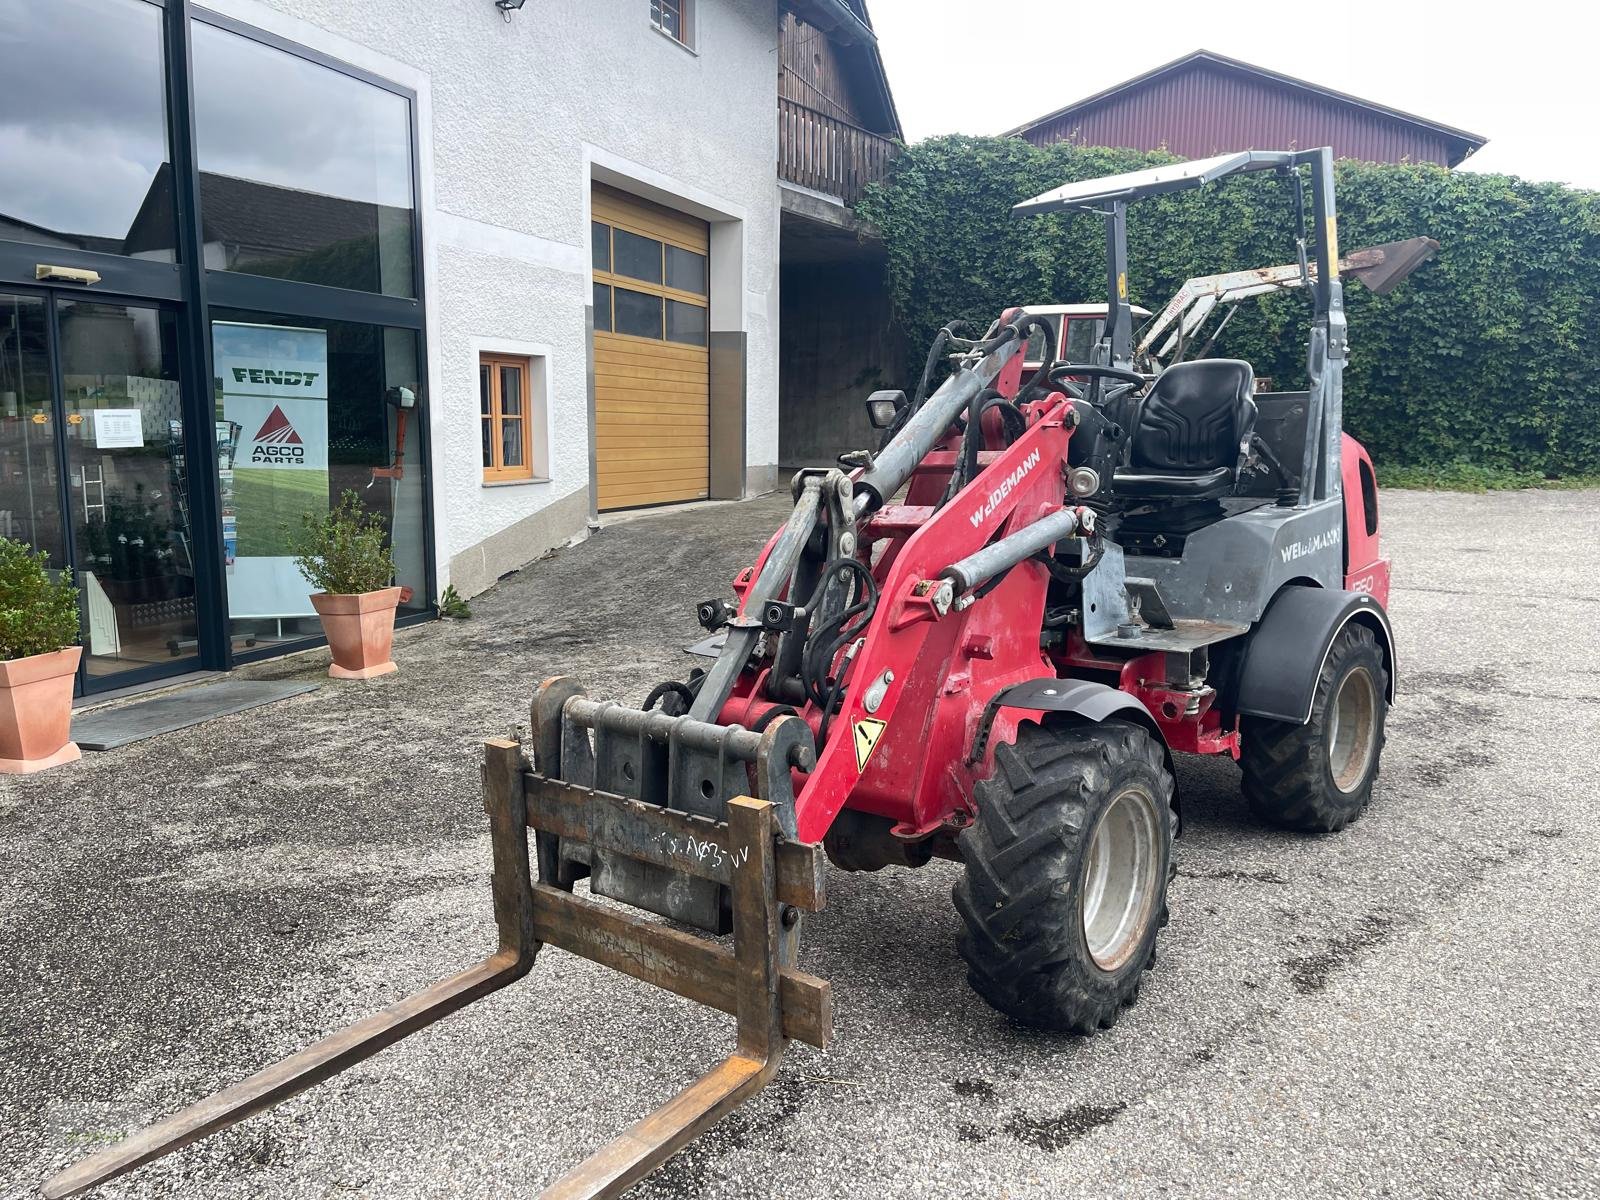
x: 453, y: 606
x: 38, y: 615
x: 342, y: 552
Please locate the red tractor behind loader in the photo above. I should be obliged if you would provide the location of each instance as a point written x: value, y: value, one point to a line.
x: 984, y: 641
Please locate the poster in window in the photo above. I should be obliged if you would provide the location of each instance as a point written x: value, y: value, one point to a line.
x: 273, y: 385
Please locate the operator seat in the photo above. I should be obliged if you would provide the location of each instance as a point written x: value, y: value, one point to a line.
x: 1192, y: 431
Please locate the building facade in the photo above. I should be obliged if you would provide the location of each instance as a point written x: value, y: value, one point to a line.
x: 496, y: 271
x: 837, y: 133
x: 1206, y: 103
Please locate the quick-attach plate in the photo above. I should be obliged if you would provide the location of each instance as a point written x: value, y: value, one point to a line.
x: 674, y: 762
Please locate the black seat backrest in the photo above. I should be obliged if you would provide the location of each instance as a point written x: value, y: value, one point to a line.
x: 1195, y: 416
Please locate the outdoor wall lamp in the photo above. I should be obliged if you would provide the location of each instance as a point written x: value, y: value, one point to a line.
x: 507, y: 7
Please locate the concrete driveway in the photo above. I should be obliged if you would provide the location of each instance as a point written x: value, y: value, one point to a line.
x: 1409, y: 1008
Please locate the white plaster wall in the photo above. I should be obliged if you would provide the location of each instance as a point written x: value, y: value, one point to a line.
x: 514, y: 120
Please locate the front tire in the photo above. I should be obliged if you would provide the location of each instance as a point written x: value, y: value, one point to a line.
x: 1317, y: 777
x: 1066, y: 873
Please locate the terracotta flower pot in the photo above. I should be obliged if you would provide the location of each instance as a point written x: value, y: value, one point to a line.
x: 36, y: 711
x: 360, y: 631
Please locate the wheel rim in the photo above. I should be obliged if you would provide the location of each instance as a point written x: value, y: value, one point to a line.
x: 1352, y: 726
x: 1120, y: 875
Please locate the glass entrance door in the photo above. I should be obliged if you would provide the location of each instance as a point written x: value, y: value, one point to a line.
x: 92, y: 447
x: 30, y: 466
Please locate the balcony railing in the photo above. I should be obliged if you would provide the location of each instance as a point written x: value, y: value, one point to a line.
x: 828, y: 155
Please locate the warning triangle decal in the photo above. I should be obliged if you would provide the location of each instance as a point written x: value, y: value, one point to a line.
x: 867, y: 732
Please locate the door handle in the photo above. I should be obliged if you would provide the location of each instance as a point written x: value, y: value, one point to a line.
x: 65, y: 274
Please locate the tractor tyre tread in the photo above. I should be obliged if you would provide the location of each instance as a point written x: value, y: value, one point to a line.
x: 1018, y: 897
x: 1284, y: 766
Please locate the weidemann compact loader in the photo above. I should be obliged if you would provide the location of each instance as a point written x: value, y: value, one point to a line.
x: 984, y: 641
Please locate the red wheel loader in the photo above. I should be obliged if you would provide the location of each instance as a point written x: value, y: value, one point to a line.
x: 983, y: 641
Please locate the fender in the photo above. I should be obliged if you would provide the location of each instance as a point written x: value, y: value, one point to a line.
x: 1285, y: 653
x: 1081, y: 698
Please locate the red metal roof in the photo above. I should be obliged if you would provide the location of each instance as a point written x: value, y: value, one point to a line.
x: 1207, y: 103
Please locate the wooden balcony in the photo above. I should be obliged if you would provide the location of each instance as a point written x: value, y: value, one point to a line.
x: 829, y: 155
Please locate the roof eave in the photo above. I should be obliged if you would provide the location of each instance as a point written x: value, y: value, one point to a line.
x: 1476, y: 141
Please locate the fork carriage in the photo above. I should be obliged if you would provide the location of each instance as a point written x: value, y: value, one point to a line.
x: 760, y: 879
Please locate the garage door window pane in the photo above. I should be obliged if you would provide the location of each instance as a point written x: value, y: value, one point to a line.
x: 637, y: 257
x: 686, y: 323
x: 600, y: 245
x: 602, y: 308
x: 638, y: 314
x: 305, y: 172
x: 686, y: 270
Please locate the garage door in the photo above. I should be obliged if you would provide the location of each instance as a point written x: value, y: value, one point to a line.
x: 651, y: 384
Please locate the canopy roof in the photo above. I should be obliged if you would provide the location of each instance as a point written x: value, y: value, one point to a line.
x: 1153, y: 181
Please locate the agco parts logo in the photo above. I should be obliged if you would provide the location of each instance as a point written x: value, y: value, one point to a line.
x: 1007, y: 484
x: 277, y: 443
x: 1310, y: 545
x: 277, y: 378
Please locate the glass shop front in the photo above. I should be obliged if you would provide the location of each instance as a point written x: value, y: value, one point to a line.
x: 211, y: 324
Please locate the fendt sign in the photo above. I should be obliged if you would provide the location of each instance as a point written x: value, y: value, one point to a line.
x: 267, y: 375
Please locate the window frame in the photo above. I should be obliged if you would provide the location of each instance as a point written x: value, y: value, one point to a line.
x: 662, y: 291
x: 239, y: 289
x: 495, y: 362
x: 198, y: 293
x: 686, y: 23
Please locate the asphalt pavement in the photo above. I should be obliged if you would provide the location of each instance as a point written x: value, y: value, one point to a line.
x: 1408, y: 1008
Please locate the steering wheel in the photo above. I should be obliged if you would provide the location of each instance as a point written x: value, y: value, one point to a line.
x: 1097, y: 372
x: 1131, y: 380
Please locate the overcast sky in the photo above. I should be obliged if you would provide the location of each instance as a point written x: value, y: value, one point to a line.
x: 1523, y: 75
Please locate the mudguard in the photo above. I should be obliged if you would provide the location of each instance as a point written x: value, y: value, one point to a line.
x: 1285, y: 653
x: 1082, y: 698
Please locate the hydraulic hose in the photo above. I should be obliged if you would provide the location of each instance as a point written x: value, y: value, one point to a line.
x: 923, y: 429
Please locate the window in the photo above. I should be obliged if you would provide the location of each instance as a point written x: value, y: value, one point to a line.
x: 355, y: 425
x: 638, y: 313
x: 686, y: 270
x: 1369, y: 499
x: 1083, y: 334
x: 637, y: 257
x: 675, y: 18
x: 647, y: 287
x: 83, y: 128
x: 504, y: 405
x: 305, y: 171
x: 686, y: 323
x: 1042, y: 346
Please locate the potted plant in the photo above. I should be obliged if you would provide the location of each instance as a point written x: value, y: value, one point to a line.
x: 343, y: 555
x: 38, y: 659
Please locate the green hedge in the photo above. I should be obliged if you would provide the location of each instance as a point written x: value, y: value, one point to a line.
x: 1487, y: 355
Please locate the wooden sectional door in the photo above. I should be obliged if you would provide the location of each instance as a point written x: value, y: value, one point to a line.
x: 651, y: 381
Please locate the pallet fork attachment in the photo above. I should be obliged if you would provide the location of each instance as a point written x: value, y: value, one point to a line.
x: 770, y: 879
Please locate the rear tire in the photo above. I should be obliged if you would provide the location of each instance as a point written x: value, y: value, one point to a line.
x: 1066, y: 873
x: 1317, y: 777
